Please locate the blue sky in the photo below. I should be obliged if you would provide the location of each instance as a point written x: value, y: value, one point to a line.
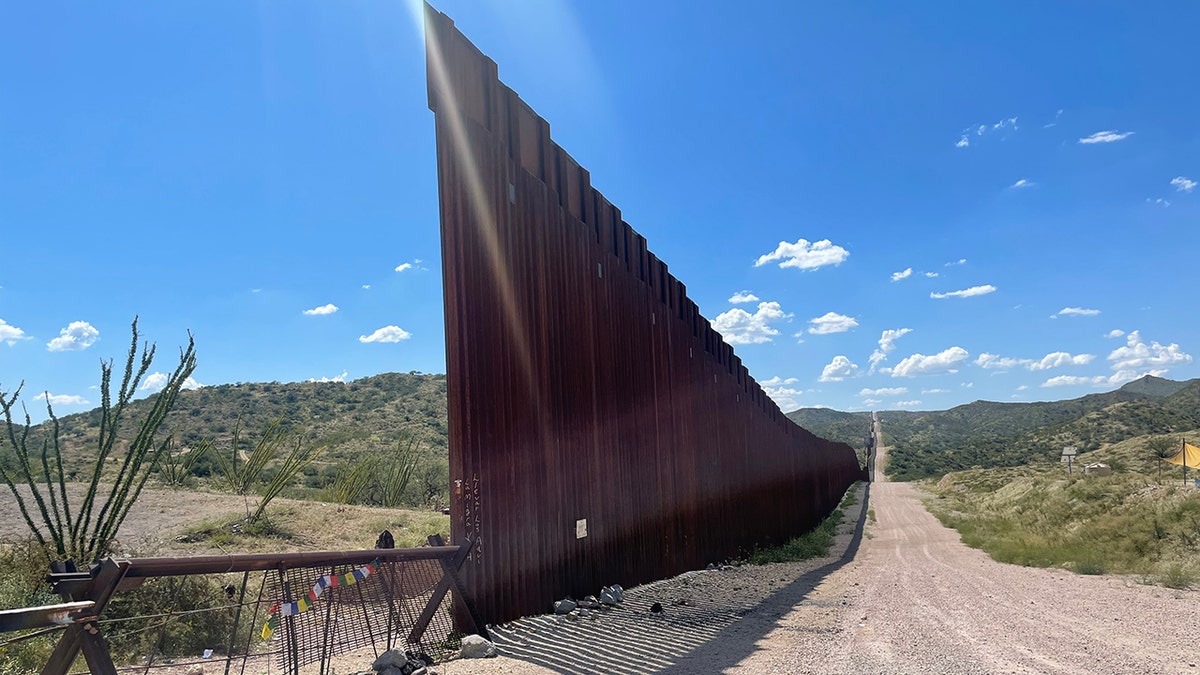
x: 918, y: 204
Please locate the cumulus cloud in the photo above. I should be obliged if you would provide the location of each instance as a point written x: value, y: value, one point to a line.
x: 404, y: 267
x: 1051, y: 360
x: 61, y: 399
x: 740, y: 327
x: 787, y: 398
x: 887, y: 343
x: 906, y: 273
x: 366, y: 287
x: 339, y: 378
x: 997, y: 362
x: 322, y: 310
x: 1183, y: 184
x: 943, y: 362
x: 805, y: 255
x: 1023, y: 183
x: 1057, y: 359
x: 386, y: 334
x: 960, y: 261
x: 1074, y: 311
x: 1158, y: 202
x: 885, y: 391
x: 831, y: 322
x: 1109, y: 136
x: 838, y: 369
x: 931, y: 275
x: 966, y: 292
x: 1137, y: 355
x: 155, y: 381
x: 742, y: 297
x: 907, y: 404
x: 1115, y: 333
x: 77, y: 336
x: 935, y: 391
x: 10, y: 333
x: 778, y: 381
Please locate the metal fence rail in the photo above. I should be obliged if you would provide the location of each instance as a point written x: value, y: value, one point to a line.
x: 600, y: 430
x: 297, y: 609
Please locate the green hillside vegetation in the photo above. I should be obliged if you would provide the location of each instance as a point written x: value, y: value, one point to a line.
x: 987, y: 434
x: 374, y: 417
x: 1038, y: 515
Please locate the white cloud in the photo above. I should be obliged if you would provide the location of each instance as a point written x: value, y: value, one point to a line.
x: 785, y: 397
x: 1051, y: 360
x: 156, y: 381
x: 366, y: 287
x: 871, y: 401
x: 778, y: 381
x: 1114, y: 333
x: 960, y: 261
x: 805, y: 255
x: 404, y: 267
x: 1022, y: 387
x: 942, y: 362
x: 1109, y: 136
x: 1057, y: 359
x: 897, y: 276
x: 1137, y: 355
x: 322, y: 310
x: 61, y: 399
x: 743, y: 297
x: 838, y: 369
x: 887, y: 342
x: 1183, y: 184
x: 339, y: 378
x: 885, y: 391
x: 386, y: 334
x: 10, y: 333
x: 78, y: 335
x: 1158, y: 202
x: 1021, y: 184
x: 831, y: 322
x: 964, y: 139
x: 799, y: 337
x: 931, y: 275
x: 740, y: 327
x: 935, y: 391
x: 907, y: 404
x: 996, y: 362
x: 966, y: 292
x: 1074, y: 311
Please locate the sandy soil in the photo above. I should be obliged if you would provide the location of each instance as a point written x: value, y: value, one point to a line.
x: 902, y: 595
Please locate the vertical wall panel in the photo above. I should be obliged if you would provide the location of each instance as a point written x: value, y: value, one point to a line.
x: 583, y: 383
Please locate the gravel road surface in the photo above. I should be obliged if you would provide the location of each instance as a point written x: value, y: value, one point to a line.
x: 901, y: 594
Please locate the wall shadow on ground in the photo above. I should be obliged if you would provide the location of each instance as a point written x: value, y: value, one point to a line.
x: 703, y: 636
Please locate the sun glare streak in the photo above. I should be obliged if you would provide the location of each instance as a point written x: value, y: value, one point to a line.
x: 480, y: 206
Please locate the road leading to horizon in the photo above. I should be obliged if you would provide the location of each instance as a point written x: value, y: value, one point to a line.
x: 915, y: 599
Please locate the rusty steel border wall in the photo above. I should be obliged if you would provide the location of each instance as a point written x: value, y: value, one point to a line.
x: 587, y: 395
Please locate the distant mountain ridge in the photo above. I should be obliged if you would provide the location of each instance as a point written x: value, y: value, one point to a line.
x: 986, y: 433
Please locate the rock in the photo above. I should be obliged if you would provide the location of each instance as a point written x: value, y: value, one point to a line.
x: 609, y: 597
x: 475, y: 647
x: 393, y: 658
x: 565, y: 606
x: 195, y: 670
x: 711, y: 567
x: 590, y: 602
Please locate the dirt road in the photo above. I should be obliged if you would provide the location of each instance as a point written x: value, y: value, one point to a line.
x: 900, y: 595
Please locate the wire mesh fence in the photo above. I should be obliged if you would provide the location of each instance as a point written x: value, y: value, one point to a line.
x: 290, y: 613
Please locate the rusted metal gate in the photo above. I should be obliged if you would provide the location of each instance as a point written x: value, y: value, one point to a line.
x: 600, y: 430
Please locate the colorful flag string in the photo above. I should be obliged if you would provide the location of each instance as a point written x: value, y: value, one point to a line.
x: 304, y: 604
